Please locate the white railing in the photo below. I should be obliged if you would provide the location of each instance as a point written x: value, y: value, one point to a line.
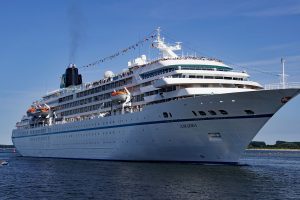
x: 282, y: 86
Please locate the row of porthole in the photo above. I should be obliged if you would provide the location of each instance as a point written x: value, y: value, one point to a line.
x: 91, y: 125
x: 211, y: 112
x: 223, y: 112
x: 62, y: 143
x: 75, y: 127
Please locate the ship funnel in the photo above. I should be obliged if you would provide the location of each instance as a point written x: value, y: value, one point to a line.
x: 71, y: 77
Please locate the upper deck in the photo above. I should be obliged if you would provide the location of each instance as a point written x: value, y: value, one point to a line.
x: 144, y: 82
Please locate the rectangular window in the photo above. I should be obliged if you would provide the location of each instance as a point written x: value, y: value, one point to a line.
x: 214, y: 137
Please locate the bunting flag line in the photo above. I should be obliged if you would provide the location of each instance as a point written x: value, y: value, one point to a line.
x: 122, y: 52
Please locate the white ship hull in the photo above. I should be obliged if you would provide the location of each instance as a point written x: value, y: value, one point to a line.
x: 149, y: 136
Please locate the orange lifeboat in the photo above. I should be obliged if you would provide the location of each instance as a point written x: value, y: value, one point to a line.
x: 31, y: 110
x: 116, y: 93
x: 38, y: 110
x: 44, y: 109
x: 119, y: 96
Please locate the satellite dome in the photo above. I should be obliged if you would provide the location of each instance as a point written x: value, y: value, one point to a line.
x: 108, y: 74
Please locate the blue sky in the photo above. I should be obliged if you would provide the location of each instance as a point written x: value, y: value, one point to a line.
x: 39, y: 38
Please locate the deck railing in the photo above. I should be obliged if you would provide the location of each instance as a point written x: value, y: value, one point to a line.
x: 282, y: 86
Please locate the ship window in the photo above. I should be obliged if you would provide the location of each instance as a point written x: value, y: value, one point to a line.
x: 194, y: 113
x: 202, y: 113
x: 249, y: 112
x: 165, y: 115
x: 223, y: 112
x: 212, y: 112
x: 214, y: 137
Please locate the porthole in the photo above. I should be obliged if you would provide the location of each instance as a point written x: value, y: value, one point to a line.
x: 165, y: 114
x: 212, y: 112
x: 249, y: 112
x: 223, y: 112
x: 202, y: 113
x: 194, y: 113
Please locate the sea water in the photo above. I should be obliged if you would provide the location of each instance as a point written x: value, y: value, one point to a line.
x: 259, y: 175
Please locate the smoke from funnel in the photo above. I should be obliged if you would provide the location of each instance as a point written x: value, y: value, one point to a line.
x: 75, y: 30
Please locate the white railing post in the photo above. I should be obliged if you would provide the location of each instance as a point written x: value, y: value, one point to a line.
x: 282, y: 86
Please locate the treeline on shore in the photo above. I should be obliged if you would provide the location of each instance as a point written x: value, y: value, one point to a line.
x: 277, y: 145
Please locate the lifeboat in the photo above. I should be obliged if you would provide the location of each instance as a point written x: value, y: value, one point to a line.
x: 31, y: 111
x: 116, y: 93
x: 37, y: 111
x: 44, y: 111
x: 119, y: 96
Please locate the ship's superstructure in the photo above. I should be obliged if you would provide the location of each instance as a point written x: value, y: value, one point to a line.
x: 175, y: 108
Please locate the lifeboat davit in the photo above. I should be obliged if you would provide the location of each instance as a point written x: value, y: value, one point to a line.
x: 119, y: 96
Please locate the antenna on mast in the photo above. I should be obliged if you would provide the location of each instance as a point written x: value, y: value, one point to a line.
x: 166, y: 50
x: 283, y: 75
x: 158, y: 33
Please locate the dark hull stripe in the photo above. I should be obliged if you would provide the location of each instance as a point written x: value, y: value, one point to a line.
x: 202, y: 162
x: 153, y: 122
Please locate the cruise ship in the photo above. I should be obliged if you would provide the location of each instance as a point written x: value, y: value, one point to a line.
x: 173, y: 108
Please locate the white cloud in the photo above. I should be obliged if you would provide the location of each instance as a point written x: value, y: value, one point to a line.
x: 277, y: 47
x: 197, y: 10
x: 269, y: 69
x: 279, y: 10
x: 273, y: 61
